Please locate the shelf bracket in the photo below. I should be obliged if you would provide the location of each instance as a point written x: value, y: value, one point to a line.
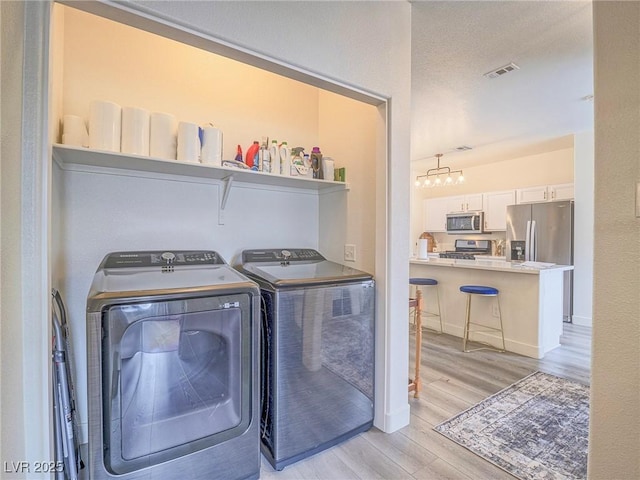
x: 228, y: 181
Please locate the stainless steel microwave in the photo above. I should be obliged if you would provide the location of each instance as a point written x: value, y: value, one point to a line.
x: 466, y: 222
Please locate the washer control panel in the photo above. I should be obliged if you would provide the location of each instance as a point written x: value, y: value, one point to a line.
x: 281, y: 254
x: 161, y: 258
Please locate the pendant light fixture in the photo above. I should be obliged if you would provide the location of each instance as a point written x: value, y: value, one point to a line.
x: 440, y: 176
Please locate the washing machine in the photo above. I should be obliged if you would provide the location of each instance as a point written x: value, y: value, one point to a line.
x: 317, y: 362
x: 173, y: 372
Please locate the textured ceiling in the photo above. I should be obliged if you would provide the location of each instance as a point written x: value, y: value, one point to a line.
x: 527, y: 111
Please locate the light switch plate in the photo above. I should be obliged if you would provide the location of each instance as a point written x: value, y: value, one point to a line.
x: 350, y: 252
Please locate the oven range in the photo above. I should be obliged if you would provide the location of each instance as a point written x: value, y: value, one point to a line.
x: 468, y: 249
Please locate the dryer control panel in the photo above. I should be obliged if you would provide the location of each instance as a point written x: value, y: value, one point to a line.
x: 161, y: 258
x: 281, y: 254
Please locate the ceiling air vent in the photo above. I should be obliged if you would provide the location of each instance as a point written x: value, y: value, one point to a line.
x: 498, y: 72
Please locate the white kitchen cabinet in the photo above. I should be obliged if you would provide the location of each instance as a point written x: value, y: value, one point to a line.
x: 494, y: 205
x: 563, y: 191
x: 545, y: 193
x: 532, y: 194
x: 435, y: 214
x: 454, y: 204
x: 474, y: 202
x: 495, y: 209
x: 464, y: 203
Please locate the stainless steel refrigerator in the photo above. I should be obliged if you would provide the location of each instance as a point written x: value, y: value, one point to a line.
x: 543, y: 232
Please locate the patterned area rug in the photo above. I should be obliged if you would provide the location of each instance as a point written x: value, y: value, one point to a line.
x: 535, y: 429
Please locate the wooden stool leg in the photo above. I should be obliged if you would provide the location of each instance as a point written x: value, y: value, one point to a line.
x: 418, y: 322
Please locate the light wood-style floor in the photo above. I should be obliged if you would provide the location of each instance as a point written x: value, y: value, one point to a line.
x: 452, y: 381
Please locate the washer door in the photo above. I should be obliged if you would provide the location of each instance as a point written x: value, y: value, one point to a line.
x: 176, y: 378
x: 318, y: 367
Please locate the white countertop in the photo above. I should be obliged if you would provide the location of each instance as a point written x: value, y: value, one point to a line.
x: 492, y: 265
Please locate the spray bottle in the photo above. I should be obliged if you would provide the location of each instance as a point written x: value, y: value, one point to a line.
x: 297, y: 162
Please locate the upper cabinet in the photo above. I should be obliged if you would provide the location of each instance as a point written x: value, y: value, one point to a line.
x: 532, y: 194
x: 494, y: 205
x: 564, y: 191
x: 435, y: 214
x: 474, y: 202
x: 464, y: 203
x: 495, y: 209
x: 545, y: 193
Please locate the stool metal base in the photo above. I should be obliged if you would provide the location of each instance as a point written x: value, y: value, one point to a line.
x: 483, y: 328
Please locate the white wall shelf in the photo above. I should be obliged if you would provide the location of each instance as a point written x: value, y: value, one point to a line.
x: 67, y: 155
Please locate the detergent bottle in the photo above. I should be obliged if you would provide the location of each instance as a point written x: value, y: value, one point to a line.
x: 250, y: 158
x: 285, y: 159
x: 274, y: 153
x: 308, y: 171
x: 265, y: 157
x: 316, y: 162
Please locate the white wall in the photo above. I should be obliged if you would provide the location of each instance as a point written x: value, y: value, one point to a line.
x: 614, y: 440
x: 12, y: 437
x: 350, y: 216
x: 555, y: 166
x: 25, y: 338
x: 105, y: 60
x: 583, y: 230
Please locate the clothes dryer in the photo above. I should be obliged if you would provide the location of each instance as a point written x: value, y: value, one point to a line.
x: 317, y: 362
x: 173, y: 377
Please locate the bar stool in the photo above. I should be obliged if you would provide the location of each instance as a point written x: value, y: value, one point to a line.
x: 483, y: 291
x: 416, y: 303
x: 420, y: 282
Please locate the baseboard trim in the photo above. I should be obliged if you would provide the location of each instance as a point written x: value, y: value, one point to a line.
x: 582, y: 321
x: 390, y: 422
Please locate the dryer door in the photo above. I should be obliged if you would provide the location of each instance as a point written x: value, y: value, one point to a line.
x: 176, y: 378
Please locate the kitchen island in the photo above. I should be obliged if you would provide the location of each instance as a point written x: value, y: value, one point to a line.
x: 531, y: 300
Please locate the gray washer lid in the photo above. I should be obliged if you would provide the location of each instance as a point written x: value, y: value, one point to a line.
x: 304, y: 274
